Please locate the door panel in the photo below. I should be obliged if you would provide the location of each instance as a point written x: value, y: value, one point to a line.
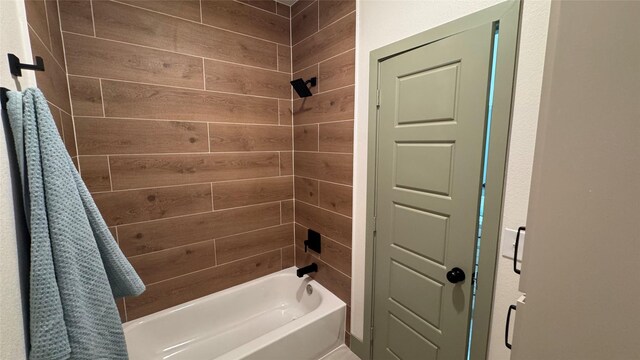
x: 432, y: 118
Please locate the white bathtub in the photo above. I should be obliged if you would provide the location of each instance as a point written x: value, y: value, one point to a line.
x: 272, y: 317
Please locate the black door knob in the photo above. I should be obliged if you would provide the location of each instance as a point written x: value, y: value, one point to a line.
x: 455, y: 275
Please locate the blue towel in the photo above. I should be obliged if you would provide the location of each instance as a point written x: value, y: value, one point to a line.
x: 76, y: 266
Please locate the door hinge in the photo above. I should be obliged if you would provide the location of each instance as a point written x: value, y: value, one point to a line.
x: 378, y: 99
x: 371, y: 335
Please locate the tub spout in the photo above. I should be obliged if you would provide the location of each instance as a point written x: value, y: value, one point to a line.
x: 307, y: 269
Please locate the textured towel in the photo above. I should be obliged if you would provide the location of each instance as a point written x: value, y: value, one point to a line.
x: 76, y: 266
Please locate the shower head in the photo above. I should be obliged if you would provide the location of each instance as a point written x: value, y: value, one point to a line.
x: 300, y: 86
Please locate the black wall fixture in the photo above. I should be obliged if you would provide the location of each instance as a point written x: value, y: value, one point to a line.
x: 300, y: 86
x: 15, y: 66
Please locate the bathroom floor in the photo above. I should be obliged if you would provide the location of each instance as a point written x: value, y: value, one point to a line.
x: 341, y: 353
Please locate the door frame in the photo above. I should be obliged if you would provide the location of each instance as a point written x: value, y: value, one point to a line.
x: 507, y: 15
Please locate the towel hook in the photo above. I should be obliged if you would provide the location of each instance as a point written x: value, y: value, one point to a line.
x: 15, y: 66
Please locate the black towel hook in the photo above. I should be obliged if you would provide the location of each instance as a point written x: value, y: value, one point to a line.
x: 15, y: 66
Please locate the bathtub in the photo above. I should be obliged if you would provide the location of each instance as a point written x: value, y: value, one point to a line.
x: 273, y: 317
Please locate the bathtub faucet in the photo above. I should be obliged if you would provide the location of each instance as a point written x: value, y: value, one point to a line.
x: 307, y: 270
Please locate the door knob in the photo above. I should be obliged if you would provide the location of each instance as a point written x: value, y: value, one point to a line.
x: 455, y: 275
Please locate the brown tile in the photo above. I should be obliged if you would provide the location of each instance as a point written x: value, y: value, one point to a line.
x: 285, y: 114
x: 225, y: 137
x: 55, y: 113
x: 328, y: 42
x: 95, y: 173
x: 283, y: 10
x: 336, y: 137
x: 187, y: 9
x: 114, y: 233
x: 138, y: 171
x: 54, y: 31
x: 120, y: 305
x: 230, y: 194
x: 252, y: 243
x: 125, y: 23
x: 332, y: 225
x: 124, y: 207
x: 97, y: 136
x: 37, y: 18
x: 334, y: 105
x: 69, y: 134
x: 325, y: 166
x: 333, y: 253
x: 130, y: 100
x: 141, y: 238
x: 348, y: 319
x: 89, y: 56
x: 52, y: 82
x: 166, y: 264
x: 336, y: 197
x: 288, y: 257
x: 305, y: 137
x: 286, y: 163
x: 286, y: 211
x: 86, y: 96
x: 240, y: 79
x: 268, y: 5
x: 335, y: 281
x: 75, y: 16
x: 306, y: 74
x: 284, y: 58
x: 235, y: 16
x: 336, y: 255
x: 178, y: 290
x: 300, y: 5
x: 304, y: 24
x: 306, y: 190
x: 337, y: 72
x: 332, y: 10
x: 347, y: 339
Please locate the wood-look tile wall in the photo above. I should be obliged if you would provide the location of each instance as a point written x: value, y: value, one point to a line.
x: 323, y: 45
x: 183, y: 126
x: 43, y: 22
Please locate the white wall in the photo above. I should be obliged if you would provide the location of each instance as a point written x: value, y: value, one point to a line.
x: 14, y: 39
x: 381, y: 22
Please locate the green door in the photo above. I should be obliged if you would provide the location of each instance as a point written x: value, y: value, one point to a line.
x: 431, y: 132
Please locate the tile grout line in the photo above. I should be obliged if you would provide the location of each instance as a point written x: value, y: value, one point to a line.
x: 45, y: 46
x: 263, y: 204
x: 180, y: 87
x: 325, y: 60
x: 209, y: 137
x: 188, y: 121
x: 172, y: 52
x: 195, y: 22
x: 238, y: 152
x: 194, y: 183
x: 327, y: 264
x: 46, y: 17
x: 104, y: 113
x: 66, y: 75
x: 204, y: 75
x: 269, y: 227
x: 110, y: 177
x: 93, y: 19
x: 261, y: 9
x: 321, y: 208
x: 213, y: 207
x: 301, y: 10
x: 211, y: 267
